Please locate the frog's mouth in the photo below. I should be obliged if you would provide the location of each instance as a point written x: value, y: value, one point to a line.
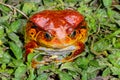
x: 62, y: 51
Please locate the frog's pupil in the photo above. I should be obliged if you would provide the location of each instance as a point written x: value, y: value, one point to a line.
x: 47, y: 36
x: 73, y: 34
x: 34, y: 26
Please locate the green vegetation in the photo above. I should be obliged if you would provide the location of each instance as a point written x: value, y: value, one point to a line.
x: 100, y: 60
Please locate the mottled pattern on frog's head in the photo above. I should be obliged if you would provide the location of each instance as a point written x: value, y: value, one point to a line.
x: 56, y: 28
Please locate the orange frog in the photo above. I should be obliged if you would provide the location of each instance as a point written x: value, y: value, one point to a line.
x: 57, y: 33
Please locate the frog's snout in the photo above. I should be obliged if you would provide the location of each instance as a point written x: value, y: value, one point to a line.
x: 61, y: 42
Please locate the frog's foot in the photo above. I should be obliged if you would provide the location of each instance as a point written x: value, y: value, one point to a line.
x: 46, y: 60
x: 36, y: 64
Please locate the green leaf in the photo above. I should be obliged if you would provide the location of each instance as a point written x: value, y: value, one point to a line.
x: 115, y: 58
x: 46, y: 68
x: 20, y: 72
x: 92, y: 69
x: 50, y: 3
x: 116, y: 17
x: 118, y: 22
x: 70, y: 1
x: 115, y: 70
x: 82, y: 62
x: 74, y: 74
x: 107, y: 3
x: 29, y: 7
x: 1, y: 31
x: 94, y: 63
x: 117, y: 6
x: 4, y: 78
x: 106, y: 72
x: 110, y: 14
x: 91, y: 72
x: 69, y: 66
x: 17, y: 63
x: 4, y: 9
x: 16, y: 39
x: 16, y: 50
x: 84, y: 75
x: 30, y: 57
x: 117, y: 45
x: 31, y: 75
x: 3, y: 66
x: 102, y: 45
x: 4, y: 18
x: 105, y: 43
x: 103, y: 62
x: 42, y: 76
x: 14, y: 26
x: 90, y: 57
x: 64, y: 76
x: 5, y: 57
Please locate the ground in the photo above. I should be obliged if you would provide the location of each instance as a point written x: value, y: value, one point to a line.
x: 99, y: 61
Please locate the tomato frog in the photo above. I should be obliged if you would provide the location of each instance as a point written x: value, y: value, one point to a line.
x: 61, y: 34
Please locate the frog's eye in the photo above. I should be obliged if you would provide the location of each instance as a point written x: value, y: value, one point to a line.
x: 47, y: 36
x: 73, y: 34
x: 34, y: 26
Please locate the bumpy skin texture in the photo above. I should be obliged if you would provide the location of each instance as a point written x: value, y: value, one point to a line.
x: 57, y: 30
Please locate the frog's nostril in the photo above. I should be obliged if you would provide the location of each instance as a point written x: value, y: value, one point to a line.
x: 67, y: 40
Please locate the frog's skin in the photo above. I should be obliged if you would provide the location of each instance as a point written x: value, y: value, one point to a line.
x: 56, y: 32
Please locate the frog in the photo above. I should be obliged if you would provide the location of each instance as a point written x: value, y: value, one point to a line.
x: 57, y: 33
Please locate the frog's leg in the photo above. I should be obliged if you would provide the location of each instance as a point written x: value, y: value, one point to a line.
x: 29, y: 48
x: 75, y: 53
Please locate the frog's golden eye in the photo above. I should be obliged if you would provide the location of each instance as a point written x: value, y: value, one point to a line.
x: 48, y: 36
x: 73, y: 34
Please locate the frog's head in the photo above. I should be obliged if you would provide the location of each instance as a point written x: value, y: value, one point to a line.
x: 56, y: 29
